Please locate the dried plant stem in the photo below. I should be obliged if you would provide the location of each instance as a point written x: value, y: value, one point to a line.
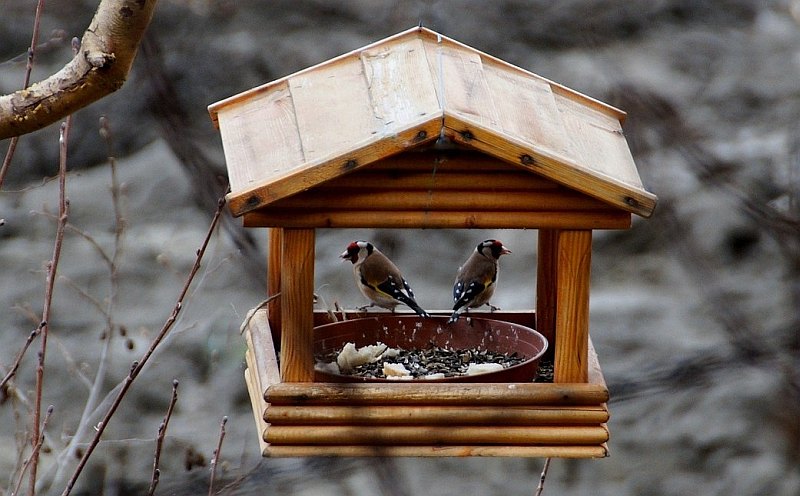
x: 137, y: 366
x: 162, y: 431
x: 52, y: 269
x: 215, y: 458
x: 15, y: 366
x: 34, y: 453
x: 542, y: 478
x: 12, y: 145
x: 112, y: 264
x: 6, y: 164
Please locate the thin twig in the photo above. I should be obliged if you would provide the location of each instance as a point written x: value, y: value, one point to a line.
x: 112, y: 263
x: 162, y: 431
x: 137, y: 366
x: 253, y: 311
x: 119, y: 221
x: 15, y: 366
x: 542, y: 477
x: 35, y: 453
x: 12, y: 145
x: 52, y: 268
x: 215, y: 458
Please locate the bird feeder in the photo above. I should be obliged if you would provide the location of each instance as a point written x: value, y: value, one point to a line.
x: 356, y: 142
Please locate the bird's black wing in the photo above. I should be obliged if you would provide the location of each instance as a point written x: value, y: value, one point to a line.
x: 463, y: 296
x: 396, y: 291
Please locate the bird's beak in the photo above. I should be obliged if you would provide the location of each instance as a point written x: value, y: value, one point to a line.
x: 504, y: 250
x: 345, y: 256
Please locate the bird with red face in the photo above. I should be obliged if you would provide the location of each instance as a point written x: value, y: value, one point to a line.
x: 477, y: 278
x: 379, y: 279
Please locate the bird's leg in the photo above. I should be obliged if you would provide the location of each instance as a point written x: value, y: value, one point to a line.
x: 364, y: 308
x: 492, y: 308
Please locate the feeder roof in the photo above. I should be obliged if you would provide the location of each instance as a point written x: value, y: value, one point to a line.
x: 409, y: 91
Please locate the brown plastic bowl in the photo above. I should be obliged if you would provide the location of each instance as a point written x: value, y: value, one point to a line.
x: 412, y: 332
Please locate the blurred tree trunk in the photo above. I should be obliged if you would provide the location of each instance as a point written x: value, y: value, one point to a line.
x: 99, y: 68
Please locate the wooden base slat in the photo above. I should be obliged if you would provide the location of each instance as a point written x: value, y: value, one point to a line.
x: 600, y: 451
x: 475, y: 394
x: 433, y: 415
x: 256, y: 401
x: 422, y: 419
x: 438, y: 435
x: 261, y: 349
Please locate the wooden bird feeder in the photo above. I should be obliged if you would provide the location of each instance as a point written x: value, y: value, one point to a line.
x: 355, y: 142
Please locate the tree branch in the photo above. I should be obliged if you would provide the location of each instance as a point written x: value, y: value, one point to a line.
x: 108, y: 49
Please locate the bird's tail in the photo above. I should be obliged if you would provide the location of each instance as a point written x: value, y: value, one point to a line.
x: 413, y: 306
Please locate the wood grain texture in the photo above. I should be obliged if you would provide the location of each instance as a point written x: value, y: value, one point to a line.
x: 426, y: 435
x: 434, y: 200
x: 253, y: 392
x: 546, y: 287
x: 435, y: 415
x: 261, y: 352
x: 561, y: 169
x: 400, y: 85
x: 572, y: 309
x: 284, y: 183
x: 401, y: 93
x: 600, y: 451
x: 452, y: 394
x: 428, y: 176
x: 297, y: 305
x: 260, y: 138
x: 332, y: 108
x: 274, y: 257
x: 467, y: 219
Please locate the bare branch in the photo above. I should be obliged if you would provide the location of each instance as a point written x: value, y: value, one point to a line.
x: 112, y: 262
x: 35, y: 453
x: 137, y: 367
x: 13, y: 370
x: 542, y: 477
x: 162, y: 431
x: 12, y: 146
x: 215, y: 458
x: 108, y: 48
x: 52, y: 268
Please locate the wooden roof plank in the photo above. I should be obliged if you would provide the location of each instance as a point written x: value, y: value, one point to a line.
x: 261, y: 138
x: 332, y: 108
x: 334, y: 165
x: 532, y: 114
x: 559, y: 169
x: 400, y: 84
x: 433, y: 37
x: 460, y: 81
x: 328, y: 120
x: 598, y: 141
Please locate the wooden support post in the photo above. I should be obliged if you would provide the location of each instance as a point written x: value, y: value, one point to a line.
x: 297, y: 305
x: 274, y: 281
x: 546, y: 288
x: 572, y: 306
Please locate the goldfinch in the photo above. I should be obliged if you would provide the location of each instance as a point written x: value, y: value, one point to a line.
x: 379, y: 279
x: 476, y: 279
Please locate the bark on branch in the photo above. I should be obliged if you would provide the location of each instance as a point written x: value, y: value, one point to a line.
x: 100, y: 67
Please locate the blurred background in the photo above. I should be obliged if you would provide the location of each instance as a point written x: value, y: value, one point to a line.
x: 695, y: 313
